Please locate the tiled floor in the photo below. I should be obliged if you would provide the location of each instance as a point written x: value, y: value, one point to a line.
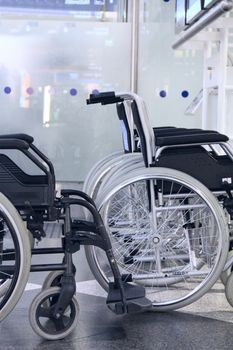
x: 206, y: 324
x: 99, y: 329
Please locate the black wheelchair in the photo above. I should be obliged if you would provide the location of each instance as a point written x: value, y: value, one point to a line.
x: 26, y: 203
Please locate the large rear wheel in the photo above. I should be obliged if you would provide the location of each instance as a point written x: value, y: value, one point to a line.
x: 15, y: 256
x: 168, y: 232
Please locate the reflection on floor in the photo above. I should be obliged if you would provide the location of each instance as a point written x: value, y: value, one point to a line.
x: 206, y: 324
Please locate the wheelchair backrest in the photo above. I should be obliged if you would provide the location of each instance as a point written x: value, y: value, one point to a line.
x: 138, y: 119
x: 145, y: 130
x: 127, y: 126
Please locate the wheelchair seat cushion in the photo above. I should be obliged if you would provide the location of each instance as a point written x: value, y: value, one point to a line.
x: 192, y: 138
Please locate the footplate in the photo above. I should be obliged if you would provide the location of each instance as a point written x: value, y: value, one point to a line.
x: 134, y: 299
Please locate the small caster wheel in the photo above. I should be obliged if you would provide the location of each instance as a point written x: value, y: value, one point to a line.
x: 225, y: 274
x: 229, y: 289
x: 42, y: 319
x: 53, y: 279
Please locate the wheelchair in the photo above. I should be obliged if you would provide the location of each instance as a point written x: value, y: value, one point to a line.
x: 29, y: 201
x: 161, y: 202
x: 156, y: 236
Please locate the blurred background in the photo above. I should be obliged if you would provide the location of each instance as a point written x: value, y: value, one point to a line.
x: 54, y: 53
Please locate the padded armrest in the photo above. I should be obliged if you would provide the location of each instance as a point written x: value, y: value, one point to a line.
x: 13, y: 144
x: 181, y: 131
x: 24, y: 137
x: 175, y: 140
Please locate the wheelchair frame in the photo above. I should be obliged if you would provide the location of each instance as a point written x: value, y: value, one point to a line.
x: 35, y: 200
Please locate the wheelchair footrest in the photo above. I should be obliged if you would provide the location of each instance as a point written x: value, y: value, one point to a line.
x: 138, y: 305
x: 130, y: 292
x: 134, y: 296
x: 131, y: 306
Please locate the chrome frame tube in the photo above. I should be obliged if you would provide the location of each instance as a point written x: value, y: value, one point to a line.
x: 205, y: 20
x: 134, y: 47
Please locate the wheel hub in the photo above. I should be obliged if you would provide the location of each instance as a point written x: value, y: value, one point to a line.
x: 156, y: 240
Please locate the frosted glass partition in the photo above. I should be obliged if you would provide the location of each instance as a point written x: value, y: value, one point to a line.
x: 168, y: 79
x: 47, y: 69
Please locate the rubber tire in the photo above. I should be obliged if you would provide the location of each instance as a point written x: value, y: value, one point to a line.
x: 225, y: 274
x: 25, y: 254
x: 50, y: 278
x: 97, y: 166
x: 229, y: 289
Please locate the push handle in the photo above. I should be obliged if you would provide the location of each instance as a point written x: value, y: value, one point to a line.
x: 105, y: 98
x: 13, y: 144
x: 24, y: 137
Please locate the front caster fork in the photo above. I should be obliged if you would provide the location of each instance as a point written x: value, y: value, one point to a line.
x: 68, y: 284
x: 68, y: 289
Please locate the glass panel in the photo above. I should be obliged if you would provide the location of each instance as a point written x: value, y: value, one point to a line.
x: 48, y: 68
x: 110, y: 10
x: 169, y: 79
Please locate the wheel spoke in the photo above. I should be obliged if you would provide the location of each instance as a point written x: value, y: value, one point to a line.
x: 44, y: 311
x: 59, y: 323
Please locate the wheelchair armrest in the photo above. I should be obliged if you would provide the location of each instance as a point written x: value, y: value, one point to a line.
x: 24, y: 137
x: 13, y: 144
x: 68, y: 193
x: 104, y: 98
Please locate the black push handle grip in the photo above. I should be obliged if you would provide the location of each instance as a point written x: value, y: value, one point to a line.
x: 105, y: 98
x: 24, y: 137
x: 13, y: 144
